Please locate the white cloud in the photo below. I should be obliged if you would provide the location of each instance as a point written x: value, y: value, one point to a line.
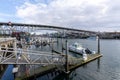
x: 82, y: 14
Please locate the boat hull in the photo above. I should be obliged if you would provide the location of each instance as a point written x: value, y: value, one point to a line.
x: 76, y: 51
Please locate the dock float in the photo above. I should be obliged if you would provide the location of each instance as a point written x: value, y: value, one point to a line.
x: 91, y: 57
x: 73, y: 64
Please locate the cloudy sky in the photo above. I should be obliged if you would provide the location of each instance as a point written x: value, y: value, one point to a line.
x: 97, y: 15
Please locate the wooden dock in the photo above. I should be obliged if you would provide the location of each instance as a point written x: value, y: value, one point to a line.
x: 73, y: 64
x: 91, y: 57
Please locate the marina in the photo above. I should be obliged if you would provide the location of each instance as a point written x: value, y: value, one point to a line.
x: 20, y: 51
x: 59, y: 40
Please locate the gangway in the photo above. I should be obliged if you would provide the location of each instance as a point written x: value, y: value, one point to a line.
x: 30, y: 57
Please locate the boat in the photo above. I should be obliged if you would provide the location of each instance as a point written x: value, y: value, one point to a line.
x: 77, y: 48
x: 37, y: 44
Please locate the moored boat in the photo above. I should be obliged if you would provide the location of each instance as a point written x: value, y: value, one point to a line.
x: 77, y: 48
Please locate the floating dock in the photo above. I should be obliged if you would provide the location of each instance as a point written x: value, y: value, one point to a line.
x: 73, y: 64
x: 91, y: 57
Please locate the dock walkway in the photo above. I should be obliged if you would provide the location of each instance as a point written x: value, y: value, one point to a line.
x: 73, y: 64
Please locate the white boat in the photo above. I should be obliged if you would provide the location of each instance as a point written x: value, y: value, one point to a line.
x: 76, y: 47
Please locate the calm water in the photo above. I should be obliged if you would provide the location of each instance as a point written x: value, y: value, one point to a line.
x: 109, y: 68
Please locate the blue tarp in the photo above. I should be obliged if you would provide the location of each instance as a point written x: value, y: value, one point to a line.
x: 8, y: 75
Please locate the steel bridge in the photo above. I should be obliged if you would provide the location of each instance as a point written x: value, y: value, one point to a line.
x: 32, y: 27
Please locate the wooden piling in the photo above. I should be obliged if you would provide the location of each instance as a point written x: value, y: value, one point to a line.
x: 15, y: 47
x: 52, y: 45
x: 98, y: 44
x: 62, y: 45
x: 57, y: 39
x: 66, y: 58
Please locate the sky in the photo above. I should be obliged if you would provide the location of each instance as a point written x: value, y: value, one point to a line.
x: 95, y: 15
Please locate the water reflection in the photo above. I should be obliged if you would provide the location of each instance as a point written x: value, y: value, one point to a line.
x: 98, y: 65
x: 60, y: 76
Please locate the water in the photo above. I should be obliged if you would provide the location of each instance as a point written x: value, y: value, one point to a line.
x: 109, y: 68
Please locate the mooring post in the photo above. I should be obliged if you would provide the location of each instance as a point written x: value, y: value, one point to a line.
x: 52, y: 45
x: 66, y: 58
x: 41, y: 42
x: 62, y: 44
x: 15, y: 47
x: 98, y: 44
x: 57, y: 38
x: 48, y: 41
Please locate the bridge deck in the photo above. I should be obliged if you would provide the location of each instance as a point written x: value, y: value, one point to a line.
x: 43, y: 26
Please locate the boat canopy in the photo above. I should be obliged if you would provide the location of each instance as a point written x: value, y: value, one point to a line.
x: 76, y: 45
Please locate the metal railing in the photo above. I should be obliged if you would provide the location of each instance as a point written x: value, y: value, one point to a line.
x: 29, y: 57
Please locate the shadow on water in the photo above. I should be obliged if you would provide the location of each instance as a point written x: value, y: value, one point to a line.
x: 64, y: 76
x: 98, y: 65
x: 60, y: 76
